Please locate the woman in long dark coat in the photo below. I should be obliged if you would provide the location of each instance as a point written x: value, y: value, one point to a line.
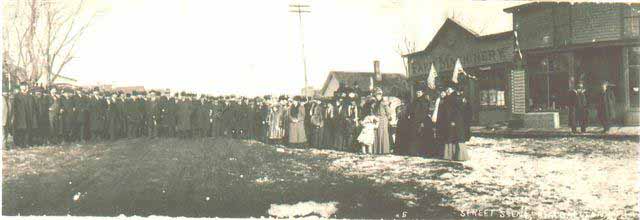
x: 450, y: 126
x: 403, y: 130
x: 329, y: 125
x: 349, y: 121
x: 338, y: 130
x: 422, y: 140
x: 605, y: 100
x: 467, y: 114
x: 317, y: 124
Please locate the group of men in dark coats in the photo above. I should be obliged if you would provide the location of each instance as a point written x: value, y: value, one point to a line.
x: 578, y: 106
x: 33, y: 116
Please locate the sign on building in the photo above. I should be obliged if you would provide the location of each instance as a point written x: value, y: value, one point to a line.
x: 518, y: 89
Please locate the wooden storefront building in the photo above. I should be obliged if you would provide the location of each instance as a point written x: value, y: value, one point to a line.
x: 564, y: 43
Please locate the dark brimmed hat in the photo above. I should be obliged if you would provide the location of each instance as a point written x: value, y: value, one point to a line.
x: 421, y: 86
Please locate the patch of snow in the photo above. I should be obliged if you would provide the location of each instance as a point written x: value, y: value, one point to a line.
x: 302, y: 209
x: 263, y: 180
x: 76, y: 197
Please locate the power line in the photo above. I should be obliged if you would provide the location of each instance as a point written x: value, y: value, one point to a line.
x: 300, y: 9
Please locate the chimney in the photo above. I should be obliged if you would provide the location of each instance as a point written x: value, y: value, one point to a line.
x: 376, y: 70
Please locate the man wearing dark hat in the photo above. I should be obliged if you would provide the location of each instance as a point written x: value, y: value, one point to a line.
x: 23, y: 112
x: 123, y: 124
x: 261, y: 118
x: 250, y: 119
x: 67, y: 114
x: 216, y: 112
x: 41, y: 134
x: 183, y: 114
x: 153, y: 114
x: 168, y: 110
x: 97, y: 108
x: 54, y: 114
x: 577, y: 103
x: 349, y: 117
x: 333, y: 121
x: 82, y: 116
x: 113, y: 116
x: 605, y: 101
x: 228, y: 118
x: 200, y: 117
x: 135, y: 111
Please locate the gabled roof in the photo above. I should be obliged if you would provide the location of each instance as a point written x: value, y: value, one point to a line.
x: 392, y: 83
x: 455, y: 24
x: 528, y: 6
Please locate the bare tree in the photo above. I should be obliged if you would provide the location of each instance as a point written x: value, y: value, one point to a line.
x: 40, y: 35
x: 403, y: 48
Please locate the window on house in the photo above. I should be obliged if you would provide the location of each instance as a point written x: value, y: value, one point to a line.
x: 632, y: 21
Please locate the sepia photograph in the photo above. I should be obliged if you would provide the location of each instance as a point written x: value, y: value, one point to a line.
x: 320, y: 109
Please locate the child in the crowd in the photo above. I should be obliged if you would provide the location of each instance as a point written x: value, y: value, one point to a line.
x: 367, y: 135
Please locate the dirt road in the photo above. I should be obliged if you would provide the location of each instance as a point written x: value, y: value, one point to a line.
x: 196, y: 178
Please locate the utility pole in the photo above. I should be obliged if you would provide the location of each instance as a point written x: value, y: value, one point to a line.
x: 298, y: 8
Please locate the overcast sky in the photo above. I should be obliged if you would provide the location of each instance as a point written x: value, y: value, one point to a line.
x: 253, y: 47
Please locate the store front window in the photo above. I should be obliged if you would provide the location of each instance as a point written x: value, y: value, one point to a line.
x: 491, y: 86
x: 548, y: 83
x: 634, y: 77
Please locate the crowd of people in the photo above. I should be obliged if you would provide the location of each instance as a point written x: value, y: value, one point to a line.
x: 349, y: 121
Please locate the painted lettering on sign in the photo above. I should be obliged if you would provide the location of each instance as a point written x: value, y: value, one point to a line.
x: 420, y: 64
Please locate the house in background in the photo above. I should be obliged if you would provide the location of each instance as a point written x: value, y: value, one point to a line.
x: 61, y: 81
x: 392, y: 84
x: 129, y: 89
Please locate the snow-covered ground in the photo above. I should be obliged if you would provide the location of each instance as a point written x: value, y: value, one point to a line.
x: 526, y: 178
